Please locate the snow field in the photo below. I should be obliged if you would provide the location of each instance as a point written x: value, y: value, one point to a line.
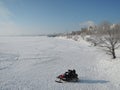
x: 32, y: 63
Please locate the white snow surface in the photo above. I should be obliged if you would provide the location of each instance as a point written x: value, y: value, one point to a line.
x: 33, y: 63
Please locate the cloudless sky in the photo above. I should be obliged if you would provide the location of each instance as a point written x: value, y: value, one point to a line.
x: 52, y: 16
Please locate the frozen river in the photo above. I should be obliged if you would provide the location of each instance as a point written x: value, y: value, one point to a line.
x: 32, y: 63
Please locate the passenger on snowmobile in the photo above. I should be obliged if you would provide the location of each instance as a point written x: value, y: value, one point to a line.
x: 69, y: 75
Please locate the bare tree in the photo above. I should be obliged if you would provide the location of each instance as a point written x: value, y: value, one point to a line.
x: 108, y: 37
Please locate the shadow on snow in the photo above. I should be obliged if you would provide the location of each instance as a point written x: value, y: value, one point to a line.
x: 92, y: 81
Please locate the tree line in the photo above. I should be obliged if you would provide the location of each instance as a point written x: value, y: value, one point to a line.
x: 105, y: 35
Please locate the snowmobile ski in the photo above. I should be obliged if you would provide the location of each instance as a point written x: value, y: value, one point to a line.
x: 58, y: 81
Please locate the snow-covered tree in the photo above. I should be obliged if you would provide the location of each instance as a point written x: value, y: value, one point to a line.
x: 108, y: 38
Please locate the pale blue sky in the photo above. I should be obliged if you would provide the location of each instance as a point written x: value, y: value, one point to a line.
x: 52, y: 16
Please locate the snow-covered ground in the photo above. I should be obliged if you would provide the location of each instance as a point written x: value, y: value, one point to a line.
x: 32, y: 63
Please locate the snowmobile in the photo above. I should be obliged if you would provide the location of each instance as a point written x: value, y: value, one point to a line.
x: 69, y: 76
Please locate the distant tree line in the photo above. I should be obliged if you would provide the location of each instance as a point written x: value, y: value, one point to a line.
x: 105, y: 35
